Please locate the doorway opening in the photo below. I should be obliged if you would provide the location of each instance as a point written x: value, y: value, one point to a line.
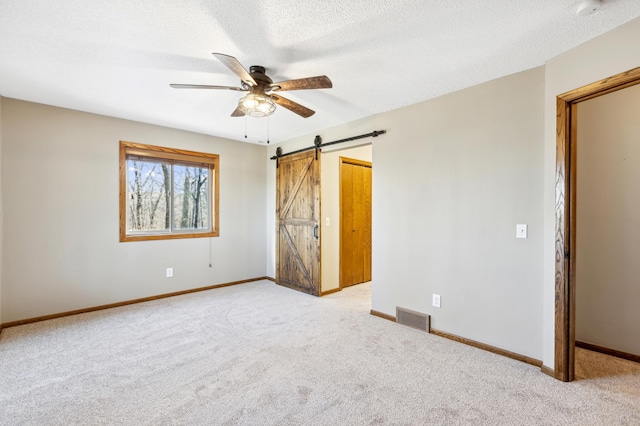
x: 565, y: 242
x: 355, y: 221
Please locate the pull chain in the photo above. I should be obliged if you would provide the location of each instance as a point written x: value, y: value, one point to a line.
x: 268, y: 127
x: 245, y: 126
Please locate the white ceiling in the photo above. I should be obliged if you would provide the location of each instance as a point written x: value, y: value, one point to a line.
x: 117, y: 57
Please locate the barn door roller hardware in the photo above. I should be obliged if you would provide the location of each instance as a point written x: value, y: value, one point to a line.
x: 317, y: 144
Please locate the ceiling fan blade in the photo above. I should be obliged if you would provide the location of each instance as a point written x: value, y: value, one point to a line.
x: 237, y: 113
x: 205, y: 86
x: 319, y: 82
x: 293, y: 106
x: 234, y: 65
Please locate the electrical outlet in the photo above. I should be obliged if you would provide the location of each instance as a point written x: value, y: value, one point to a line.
x: 521, y: 230
x: 436, y: 300
x: 169, y: 272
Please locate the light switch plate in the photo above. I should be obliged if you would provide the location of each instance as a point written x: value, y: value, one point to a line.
x: 327, y: 221
x: 521, y: 230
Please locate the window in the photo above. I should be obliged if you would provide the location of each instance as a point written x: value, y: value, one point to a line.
x: 167, y: 193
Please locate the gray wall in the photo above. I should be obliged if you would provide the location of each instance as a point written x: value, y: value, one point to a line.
x: 610, y: 54
x: 60, y: 184
x: 451, y: 179
x: 1, y: 210
x: 608, y: 232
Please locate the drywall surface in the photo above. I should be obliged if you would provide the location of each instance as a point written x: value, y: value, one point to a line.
x: 1, y: 215
x: 330, y: 208
x: 608, y: 232
x: 610, y: 54
x: 61, y: 245
x: 451, y: 179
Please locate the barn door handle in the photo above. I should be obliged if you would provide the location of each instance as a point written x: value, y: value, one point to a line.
x: 315, y: 231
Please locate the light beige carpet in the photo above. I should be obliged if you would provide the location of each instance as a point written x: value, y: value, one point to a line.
x: 262, y: 354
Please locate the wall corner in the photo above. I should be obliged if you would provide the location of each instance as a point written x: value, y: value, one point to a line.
x: 1, y: 215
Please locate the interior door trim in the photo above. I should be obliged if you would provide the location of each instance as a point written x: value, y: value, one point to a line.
x: 565, y: 225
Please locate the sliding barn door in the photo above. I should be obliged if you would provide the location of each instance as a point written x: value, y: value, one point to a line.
x: 298, y: 214
x: 355, y: 221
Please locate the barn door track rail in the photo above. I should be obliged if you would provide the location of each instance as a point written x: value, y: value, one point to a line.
x: 317, y: 144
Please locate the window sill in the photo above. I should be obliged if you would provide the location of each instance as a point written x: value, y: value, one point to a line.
x: 130, y: 238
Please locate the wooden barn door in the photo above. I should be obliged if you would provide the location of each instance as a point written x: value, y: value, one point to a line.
x: 298, y: 214
x: 355, y: 221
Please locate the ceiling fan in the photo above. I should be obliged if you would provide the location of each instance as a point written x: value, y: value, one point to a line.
x: 263, y: 92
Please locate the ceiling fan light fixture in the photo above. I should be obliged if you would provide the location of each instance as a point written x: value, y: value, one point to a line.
x: 261, y: 101
x: 257, y: 105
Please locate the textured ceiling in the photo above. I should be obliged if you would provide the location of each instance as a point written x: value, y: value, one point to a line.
x: 117, y: 57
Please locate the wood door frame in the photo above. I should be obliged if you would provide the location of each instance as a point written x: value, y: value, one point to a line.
x: 565, y: 228
x: 355, y: 162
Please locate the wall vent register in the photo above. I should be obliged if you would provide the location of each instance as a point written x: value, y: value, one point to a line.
x: 413, y: 319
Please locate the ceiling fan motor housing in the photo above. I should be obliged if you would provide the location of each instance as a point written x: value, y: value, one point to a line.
x: 259, y: 74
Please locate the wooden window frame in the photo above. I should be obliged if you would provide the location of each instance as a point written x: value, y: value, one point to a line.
x: 163, y: 153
